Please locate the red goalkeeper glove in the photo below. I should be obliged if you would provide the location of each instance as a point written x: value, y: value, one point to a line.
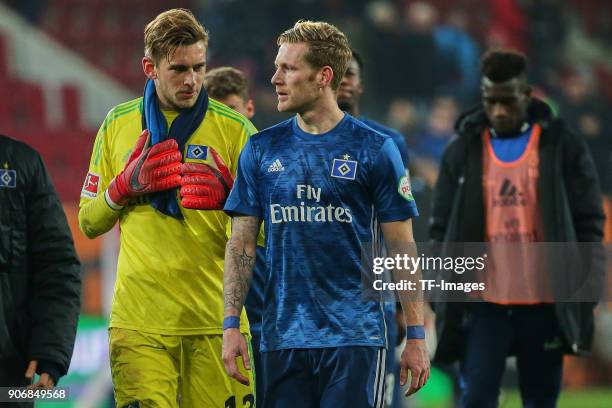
x: 204, y: 186
x: 148, y: 169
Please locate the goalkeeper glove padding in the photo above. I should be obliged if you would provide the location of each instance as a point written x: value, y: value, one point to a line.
x: 148, y: 169
x: 204, y: 186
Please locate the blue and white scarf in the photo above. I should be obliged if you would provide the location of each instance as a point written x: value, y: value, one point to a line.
x: 181, y: 130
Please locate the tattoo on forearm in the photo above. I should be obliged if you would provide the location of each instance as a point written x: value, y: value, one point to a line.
x: 237, y: 283
x: 243, y: 260
x: 239, y: 262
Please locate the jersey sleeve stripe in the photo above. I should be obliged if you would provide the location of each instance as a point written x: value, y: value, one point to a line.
x: 247, y: 125
x: 97, y: 150
x: 126, y: 105
x: 220, y: 106
x: 111, y: 118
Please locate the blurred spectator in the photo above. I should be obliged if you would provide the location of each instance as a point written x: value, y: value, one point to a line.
x: 414, y: 67
x: 586, y: 113
x: 547, y: 34
x: 428, y: 147
x: 430, y: 143
x: 595, y: 15
x: 382, y: 25
x: 403, y: 116
x: 428, y: 57
x: 461, y: 52
x: 418, y: 59
x: 508, y: 26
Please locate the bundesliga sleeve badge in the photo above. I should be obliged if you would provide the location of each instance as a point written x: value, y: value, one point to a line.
x: 90, y: 187
x: 344, y: 168
x: 404, y: 188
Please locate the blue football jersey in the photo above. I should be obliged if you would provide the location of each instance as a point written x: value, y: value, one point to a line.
x: 321, y: 198
x: 397, y: 137
x: 400, y: 141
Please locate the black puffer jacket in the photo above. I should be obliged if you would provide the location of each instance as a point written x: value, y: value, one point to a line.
x: 570, y: 203
x: 40, y: 282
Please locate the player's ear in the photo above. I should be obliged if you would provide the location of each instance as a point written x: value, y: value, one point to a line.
x: 326, y: 75
x: 148, y: 66
x: 250, y: 109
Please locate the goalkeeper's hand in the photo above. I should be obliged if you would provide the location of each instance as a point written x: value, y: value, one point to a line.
x: 206, y: 187
x: 148, y: 169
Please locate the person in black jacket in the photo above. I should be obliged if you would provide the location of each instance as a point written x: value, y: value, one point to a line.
x: 40, y: 282
x: 514, y: 174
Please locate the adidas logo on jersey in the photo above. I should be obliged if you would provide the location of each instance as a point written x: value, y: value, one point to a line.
x: 509, y: 196
x: 276, y: 166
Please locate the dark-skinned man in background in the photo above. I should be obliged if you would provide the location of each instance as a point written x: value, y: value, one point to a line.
x: 514, y: 176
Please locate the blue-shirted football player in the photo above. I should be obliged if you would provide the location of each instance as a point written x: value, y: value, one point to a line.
x: 326, y: 186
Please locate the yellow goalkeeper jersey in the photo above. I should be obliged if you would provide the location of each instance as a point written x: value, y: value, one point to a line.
x: 170, y: 272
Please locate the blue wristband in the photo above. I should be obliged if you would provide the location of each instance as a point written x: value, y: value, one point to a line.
x: 415, y: 332
x: 231, y: 322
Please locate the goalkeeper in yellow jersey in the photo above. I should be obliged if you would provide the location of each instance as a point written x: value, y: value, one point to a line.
x: 163, y: 165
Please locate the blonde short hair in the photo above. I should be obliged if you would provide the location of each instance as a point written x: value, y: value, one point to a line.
x: 327, y: 45
x: 170, y: 30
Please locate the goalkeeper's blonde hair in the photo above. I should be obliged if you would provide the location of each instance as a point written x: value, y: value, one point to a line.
x: 170, y: 30
x: 327, y: 45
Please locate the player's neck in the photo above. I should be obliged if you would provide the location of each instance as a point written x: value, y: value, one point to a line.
x: 322, y: 118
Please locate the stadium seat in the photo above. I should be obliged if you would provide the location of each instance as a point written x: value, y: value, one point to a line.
x: 71, y: 104
x: 95, y: 28
x: 26, y: 104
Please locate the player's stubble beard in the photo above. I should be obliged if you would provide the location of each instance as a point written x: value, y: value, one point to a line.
x: 308, y: 101
x: 187, y: 103
x: 171, y: 100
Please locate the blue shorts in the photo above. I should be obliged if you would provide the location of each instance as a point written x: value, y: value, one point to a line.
x: 327, y: 377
